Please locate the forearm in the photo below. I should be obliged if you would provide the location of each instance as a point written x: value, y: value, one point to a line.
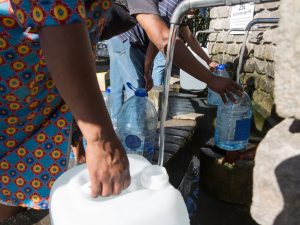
x: 192, y: 42
x: 158, y: 33
x: 184, y: 59
x: 68, y: 55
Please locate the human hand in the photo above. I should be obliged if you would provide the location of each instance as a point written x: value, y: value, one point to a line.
x: 149, y: 81
x: 213, y: 65
x: 225, y: 86
x: 108, y: 167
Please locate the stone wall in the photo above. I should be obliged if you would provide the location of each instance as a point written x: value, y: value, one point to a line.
x: 257, y: 73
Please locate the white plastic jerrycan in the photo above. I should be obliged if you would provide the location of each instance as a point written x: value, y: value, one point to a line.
x: 149, y: 200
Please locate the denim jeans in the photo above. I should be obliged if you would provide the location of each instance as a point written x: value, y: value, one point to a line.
x: 158, y: 72
x: 126, y: 65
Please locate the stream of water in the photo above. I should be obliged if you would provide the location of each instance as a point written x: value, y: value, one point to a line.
x: 165, y: 97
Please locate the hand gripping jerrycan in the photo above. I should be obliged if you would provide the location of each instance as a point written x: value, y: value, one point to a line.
x: 149, y: 200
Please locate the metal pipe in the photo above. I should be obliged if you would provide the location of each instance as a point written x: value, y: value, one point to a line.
x: 248, y: 27
x: 261, y: 20
x: 187, y: 5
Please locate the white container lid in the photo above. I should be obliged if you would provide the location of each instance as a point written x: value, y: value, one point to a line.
x: 188, y: 82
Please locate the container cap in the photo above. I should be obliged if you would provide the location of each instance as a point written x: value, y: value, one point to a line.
x: 108, y: 90
x: 155, y: 177
x: 221, y: 67
x: 140, y: 92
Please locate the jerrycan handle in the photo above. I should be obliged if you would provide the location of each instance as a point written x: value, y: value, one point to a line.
x: 131, y: 86
x: 141, y: 92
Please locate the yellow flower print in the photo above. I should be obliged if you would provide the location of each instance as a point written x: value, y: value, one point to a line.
x: 20, y: 166
x: 14, y: 106
x: 41, y: 137
x: 21, y: 152
x: 10, y: 131
x: 56, y: 154
x: 20, y: 195
x: 5, y: 179
x: 20, y: 182
x: 10, y: 143
x: 12, y: 120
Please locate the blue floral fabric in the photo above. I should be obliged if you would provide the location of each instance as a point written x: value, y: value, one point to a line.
x: 34, y: 120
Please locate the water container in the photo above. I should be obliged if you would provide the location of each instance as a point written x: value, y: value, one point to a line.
x: 149, y: 200
x: 137, y: 124
x: 214, y: 98
x: 106, y: 97
x: 188, y: 82
x: 233, y: 124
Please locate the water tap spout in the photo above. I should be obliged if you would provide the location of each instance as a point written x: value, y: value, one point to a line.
x: 187, y: 5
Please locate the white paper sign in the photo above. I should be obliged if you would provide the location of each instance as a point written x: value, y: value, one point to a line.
x: 241, y: 15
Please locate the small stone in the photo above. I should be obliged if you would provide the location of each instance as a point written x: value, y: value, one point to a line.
x: 270, y: 36
x: 220, y: 12
x: 267, y: 14
x: 234, y: 49
x: 220, y: 24
x: 218, y: 48
x: 249, y: 66
x: 260, y: 66
x: 264, y: 101
x: 258, y: 51
x: 266, y: 84
x: 212, y: 37
x: 255, y: 37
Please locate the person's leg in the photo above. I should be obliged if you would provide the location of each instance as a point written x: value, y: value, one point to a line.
x: 134, y: 67
x: 158, y: 72
x: 8, y: 211
x: 116, y: 50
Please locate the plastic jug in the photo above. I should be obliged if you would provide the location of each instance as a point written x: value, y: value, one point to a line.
x: 188, y: 82
x: 149, y: 200
x: 214, y: 98
x: 137, y: 124
x: 233, y: 124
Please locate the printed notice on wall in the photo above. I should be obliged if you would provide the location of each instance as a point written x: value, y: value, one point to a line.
x: 241, y: 15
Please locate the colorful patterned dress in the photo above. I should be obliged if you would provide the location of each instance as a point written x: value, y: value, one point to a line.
x: 34, y: 120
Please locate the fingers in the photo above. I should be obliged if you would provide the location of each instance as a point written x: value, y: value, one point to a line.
x: 107, y: 189
x: 223, y: 98
x: 230, y: 96
x: 113, y: 186
x: 96, y: 189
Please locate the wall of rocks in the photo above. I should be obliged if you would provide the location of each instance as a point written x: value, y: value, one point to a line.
x: 257, y: 73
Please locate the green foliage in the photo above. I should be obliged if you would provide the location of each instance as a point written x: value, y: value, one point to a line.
x: 199, y: 21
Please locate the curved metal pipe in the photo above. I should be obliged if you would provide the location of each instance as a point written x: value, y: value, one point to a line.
x: 186, y: 5
x: 248, y: 27
x: 261, y: 20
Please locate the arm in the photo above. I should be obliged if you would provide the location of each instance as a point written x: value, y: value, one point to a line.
x: 67, y: 51
x: 149, y: 58
x: 158, y: 33
x: 195, y: 46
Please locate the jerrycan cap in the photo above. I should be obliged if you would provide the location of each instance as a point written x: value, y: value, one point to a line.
x: 154, y: 177
x: 140, y: 92
x: 108, y: 90
x: 221, y: 67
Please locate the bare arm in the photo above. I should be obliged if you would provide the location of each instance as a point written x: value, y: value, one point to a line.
x: 68, y: 55
x: 194, y: 44
x: 158, y: 33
